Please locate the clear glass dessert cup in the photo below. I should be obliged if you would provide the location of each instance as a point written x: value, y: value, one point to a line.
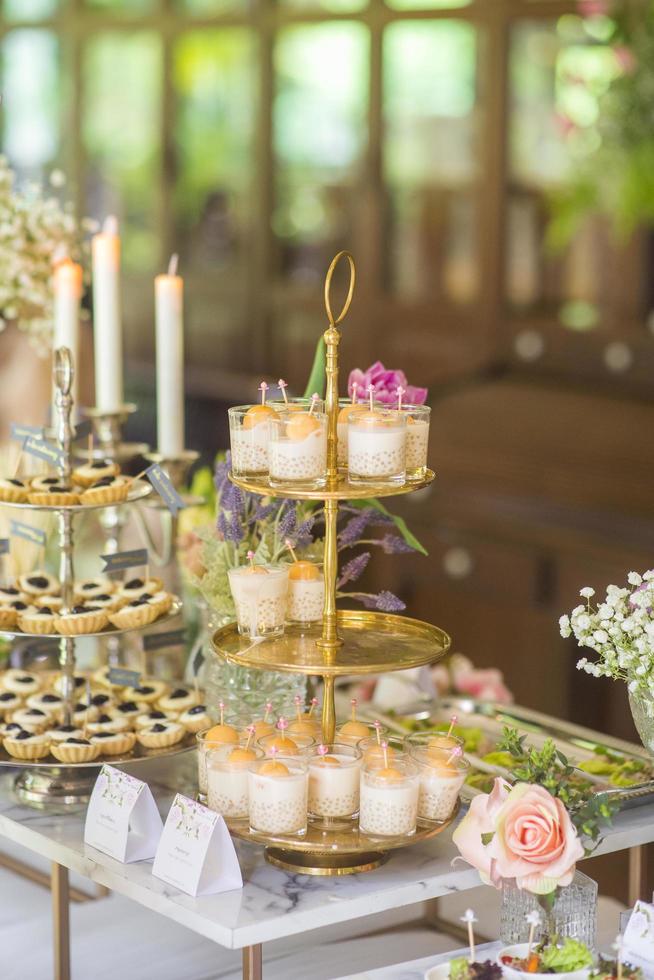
x: 296, y: 404
x: 431, y: 742
x: 260, y: 596
x: 389, y: 798
x: 372, y: 750
x: 205, y: 745
x: 417, y: 440
x: 298, y: 450
x: 277, y: 791
x: 227, y: 779
x: 347, y: 407
x: 306, y: 596
x: 442, y: 774
x: 249, y: 434
x: 297, y: 744
x: 376, y: 448
x: 334, y: 776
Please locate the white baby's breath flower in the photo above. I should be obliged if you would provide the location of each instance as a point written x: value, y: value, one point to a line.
x: 632, y: 687
x: 633, y: 578
x: 581, y: 664
x: 587, y: 592
x: 564, y: 626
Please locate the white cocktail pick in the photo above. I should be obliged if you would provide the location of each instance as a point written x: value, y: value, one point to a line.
x: 533, y: 918
x: 470, y: 918
x: 617, y: 946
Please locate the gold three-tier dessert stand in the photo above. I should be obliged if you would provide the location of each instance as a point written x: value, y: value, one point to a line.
x: 346, y: 643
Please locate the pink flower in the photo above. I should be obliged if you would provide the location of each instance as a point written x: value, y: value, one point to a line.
x: 385, y: 383
x: 625, y: 58
x: 484, y: 685
x: 535, y: 841
x: 480, y: 820
x: 594, y: 8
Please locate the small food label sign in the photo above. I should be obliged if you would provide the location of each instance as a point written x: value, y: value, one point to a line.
x: 122, y: 819
x: 638, y: 940
x: 196, y: 853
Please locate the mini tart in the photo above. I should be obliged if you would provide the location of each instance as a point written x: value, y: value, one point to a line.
x: 195, y: 719
x: 178, y: 700
x: 8, y: 617
x: 135, y: 615
x: 108, y: 602
x: 40, y: 621
x: 161, y: 735
x: 82, y: 713
x: 114, y: 743
x: 108, y: 490
x: 150, y: 718
x: 163, y: 601
x: 81, y: 620
x: 58, y: 495
x: 108, y: 723
x: 75, y: 749
x: 148, y: 692
x: 39, y: 583
x: 101, y: 700
x: 79, y: 681
x: 51, y: 703
x: 9, y: 702
x: 9, y: 594
x: 134, y: 588
x: 90, y: 473
x: 44, y: 483
x: 13, y: 491
x: 10, y: 728
x: 33, y: 720
x: 91, y: 588
x: 20, y: 682
x: 53, y: 602
x: 62, y: 732
x: 23, y: 745
x: 129, y: 710
x: 101, y: 677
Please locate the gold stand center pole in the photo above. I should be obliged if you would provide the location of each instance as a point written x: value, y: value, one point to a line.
x: 330, y: 640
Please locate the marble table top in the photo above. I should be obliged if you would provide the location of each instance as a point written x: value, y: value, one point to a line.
x: 416, y: 969
x: 272, y: 903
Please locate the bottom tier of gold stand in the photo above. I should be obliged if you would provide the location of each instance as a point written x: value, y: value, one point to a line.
x: 335, y: 848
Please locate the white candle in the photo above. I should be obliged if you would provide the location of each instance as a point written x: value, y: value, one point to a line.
x: 67, y: 284
x: 107, y: 326
x: 169, y: 315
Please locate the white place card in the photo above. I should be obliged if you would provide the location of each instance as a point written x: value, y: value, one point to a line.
x: 122, y: 818
x: 638, y: 939
x: 196, y: 853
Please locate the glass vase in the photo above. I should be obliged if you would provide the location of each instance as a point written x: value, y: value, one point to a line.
x: 573, y: 912
x: 642, y: 712
x: 244, y: 692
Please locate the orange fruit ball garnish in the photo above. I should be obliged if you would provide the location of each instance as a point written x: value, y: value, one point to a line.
x: 274, y: 768
x: 389, y: 774
x: 256, y: 570
x: 327, y: 760
x: 354, y: 729
x: 256, y: 415
x: 301, y: 425
x: 347, y: 410
x: 439, y: 742
x: 304, y: 726
x: 262, y: 728
x: 241, y: 755
x: 441, y: 767
x: 222, y: 733
x: 304, y: 571
x: 282, y: 744
x: 376, y: 754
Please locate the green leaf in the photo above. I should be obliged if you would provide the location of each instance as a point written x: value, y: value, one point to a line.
x: 316, y: 380
x: 399, y: 522
x: 487, y: 838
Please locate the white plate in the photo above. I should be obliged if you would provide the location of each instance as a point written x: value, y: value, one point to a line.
x: 521, y: 951
x: 440, y: 972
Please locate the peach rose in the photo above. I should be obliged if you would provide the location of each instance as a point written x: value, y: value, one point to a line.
x: 481, y: 819
x: 535, y: 841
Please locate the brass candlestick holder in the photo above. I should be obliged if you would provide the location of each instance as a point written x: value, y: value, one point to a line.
x: 345, y: 643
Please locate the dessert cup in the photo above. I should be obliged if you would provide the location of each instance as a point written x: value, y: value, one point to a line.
x: 278, y: 796
x: 346, y: 408
x: 441, y: 778
x: 389, y: 798
x: 431, y: 742
x: 334, y: 774
x: 286, y: 745
x: 372, y: 751
x: 417, y: 440
x: 260, y: 595
x: 206, y: 743
x: 376, y: 448
x: 306, y: 595
x: 298, y: 450
x: 249, y: 434
x: 228, y: 781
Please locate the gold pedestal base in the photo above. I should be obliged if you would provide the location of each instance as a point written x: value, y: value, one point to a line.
x: 326, y: 864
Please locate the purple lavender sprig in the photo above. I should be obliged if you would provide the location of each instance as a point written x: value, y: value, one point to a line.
x: 354, y: 569
x: 384, y: 601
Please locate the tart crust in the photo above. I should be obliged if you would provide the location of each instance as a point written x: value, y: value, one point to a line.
x: 134, y: 617
x: 74, y: 752
x: 77, y: 624
x: 53, y: 498
x: 173, y: 734
x: 27, y: 748
x: 112, y: 494
x: 118, y: 744
x: 33, y: 621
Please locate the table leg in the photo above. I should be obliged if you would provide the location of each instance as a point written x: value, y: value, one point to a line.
x: 252, y: 962
x: 637, y: 873
x: 60, y: 922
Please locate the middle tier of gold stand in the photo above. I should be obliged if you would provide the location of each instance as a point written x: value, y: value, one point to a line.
x: 371, y: 643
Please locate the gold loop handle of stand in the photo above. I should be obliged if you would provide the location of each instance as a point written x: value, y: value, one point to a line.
x: 328, y: 285
x: 63, y: 369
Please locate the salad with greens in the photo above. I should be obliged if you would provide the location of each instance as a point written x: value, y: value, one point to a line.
x: 568, y: 957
